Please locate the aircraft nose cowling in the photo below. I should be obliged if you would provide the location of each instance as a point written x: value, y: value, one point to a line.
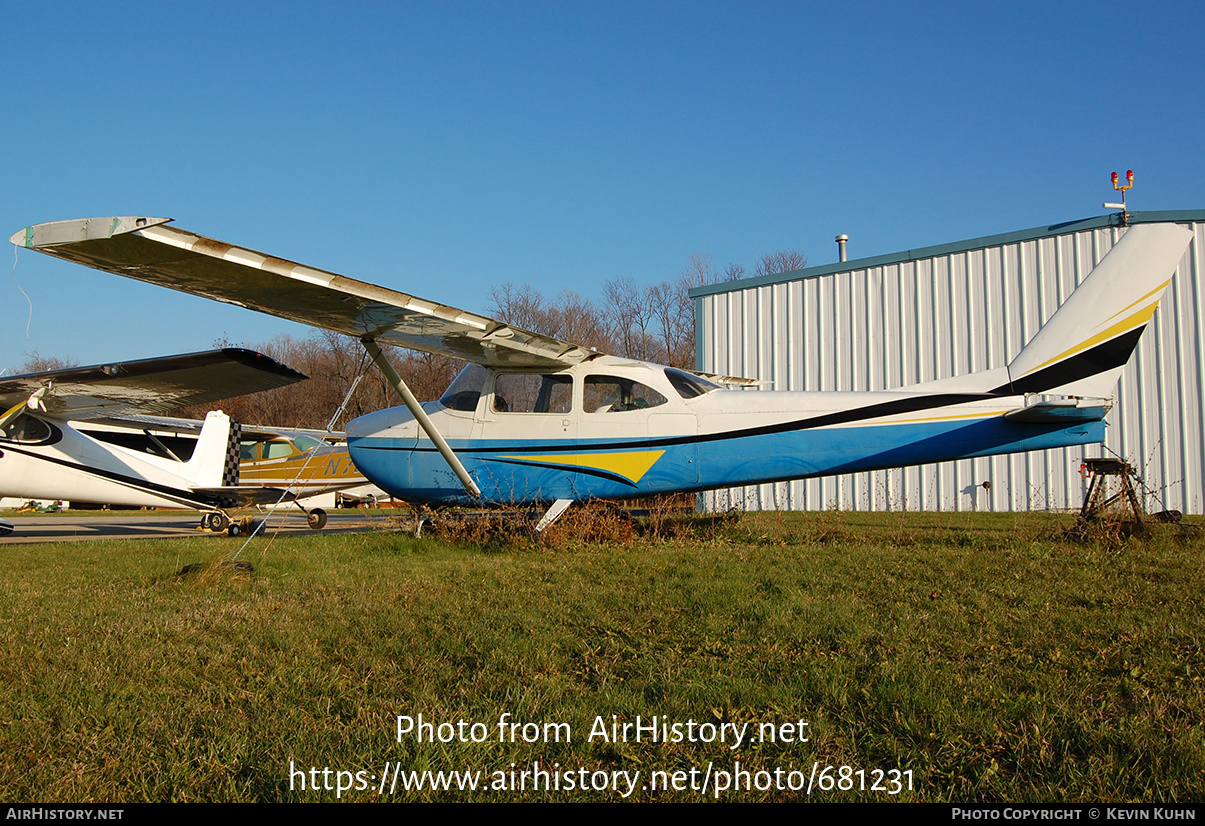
x: 393, y: 423
x: 381, y: 444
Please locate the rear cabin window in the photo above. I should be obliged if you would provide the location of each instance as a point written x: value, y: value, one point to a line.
x: 609, y: 394
x: 533, y: 393
x: 689, y: 386
x: 304, y: 443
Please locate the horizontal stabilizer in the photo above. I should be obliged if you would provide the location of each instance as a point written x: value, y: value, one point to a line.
x: 243, y: 495
x: 1059, y: 411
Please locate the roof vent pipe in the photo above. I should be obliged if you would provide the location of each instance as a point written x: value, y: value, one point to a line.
x: 841, y: 239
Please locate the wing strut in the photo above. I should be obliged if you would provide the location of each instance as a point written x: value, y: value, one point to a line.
x: 420, y: 416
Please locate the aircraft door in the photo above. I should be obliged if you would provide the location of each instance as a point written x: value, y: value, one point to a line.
x: 653, y: 434
x: 525, y: 415
x: 529, y: 407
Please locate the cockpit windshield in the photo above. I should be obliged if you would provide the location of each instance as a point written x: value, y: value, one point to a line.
x: 25, y: 429
x: 304, y: 443
x: 465, y: 389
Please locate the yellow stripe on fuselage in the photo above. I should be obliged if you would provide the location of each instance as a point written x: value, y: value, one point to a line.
x: 631, y: 466
x: 978, y: 414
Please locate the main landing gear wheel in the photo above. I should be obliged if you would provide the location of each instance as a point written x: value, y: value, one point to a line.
x: 316, y: 518
x: 214, y: 521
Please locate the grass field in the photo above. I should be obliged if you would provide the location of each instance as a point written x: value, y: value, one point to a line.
x: 990, y: 656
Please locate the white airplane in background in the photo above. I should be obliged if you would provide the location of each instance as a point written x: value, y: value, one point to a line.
x: 57, y: 439
x: 304, y: 462
x: 537, y: 420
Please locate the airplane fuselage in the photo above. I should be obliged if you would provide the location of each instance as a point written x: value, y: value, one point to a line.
x: 52, y: 460
x: 303, y: 465
x: 612, y: 428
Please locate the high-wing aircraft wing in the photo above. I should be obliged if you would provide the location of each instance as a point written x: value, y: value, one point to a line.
x: 150, y: 250
x: 147, y: 386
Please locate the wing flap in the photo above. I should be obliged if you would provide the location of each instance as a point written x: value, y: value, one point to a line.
x: 181, y: 260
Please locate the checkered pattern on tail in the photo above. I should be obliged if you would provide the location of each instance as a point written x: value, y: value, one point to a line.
x: 233, y: 444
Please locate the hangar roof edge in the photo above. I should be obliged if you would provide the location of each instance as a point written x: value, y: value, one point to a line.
x: 1065, y: 228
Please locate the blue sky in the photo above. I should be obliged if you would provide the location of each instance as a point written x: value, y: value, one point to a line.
x: 444, y: 148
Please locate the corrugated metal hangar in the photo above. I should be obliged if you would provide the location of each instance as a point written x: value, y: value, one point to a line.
x: 894, y: 320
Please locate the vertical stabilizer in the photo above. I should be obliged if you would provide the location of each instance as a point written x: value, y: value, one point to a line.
x: 207, y: 467
x: 1081, y: 350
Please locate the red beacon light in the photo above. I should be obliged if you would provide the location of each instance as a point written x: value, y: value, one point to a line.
x: 1125, y: 214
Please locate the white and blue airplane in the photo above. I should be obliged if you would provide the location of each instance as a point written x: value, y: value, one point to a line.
x: 537, y: 420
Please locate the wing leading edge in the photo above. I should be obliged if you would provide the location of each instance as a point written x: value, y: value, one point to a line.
x: 149, y: 250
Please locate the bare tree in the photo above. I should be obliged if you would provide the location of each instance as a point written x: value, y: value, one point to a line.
x: 698, y: 270
x: 631, y: 317
x: 733, y: 272
x: 676, y: 311
x: 522, y: 306
x: 781, y: 261
x: 569, y: 317
x: 574, y: 318
x: 35, y: 362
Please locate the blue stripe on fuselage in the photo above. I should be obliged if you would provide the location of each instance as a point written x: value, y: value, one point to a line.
x: 421, y: 475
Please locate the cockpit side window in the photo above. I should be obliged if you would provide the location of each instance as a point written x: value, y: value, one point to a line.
x: 609, y: 394
x: 26, y: 429
x: 688, y: 385
x: 533, y: 393
x: 277, y: 449
x: 464, y: 391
